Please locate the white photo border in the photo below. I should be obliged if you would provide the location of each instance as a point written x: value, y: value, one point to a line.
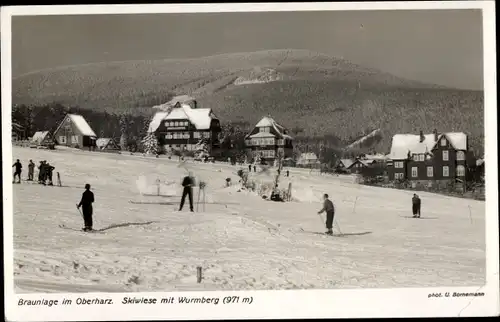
x: 367, y: 303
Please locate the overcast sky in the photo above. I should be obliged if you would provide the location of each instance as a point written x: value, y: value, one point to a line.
x: 442, y: 46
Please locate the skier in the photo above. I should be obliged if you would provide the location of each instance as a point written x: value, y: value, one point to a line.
x: 86, y: 204
x: 330, y: 213
x: 254, y: 168
x: 249, y: 168
x: 41, y: 172
x: 287, y: 173
x: 18, y: 171
x: 49, y: 170
x: 187, y: 183
x: 31, y: 170
x: 416, y: 202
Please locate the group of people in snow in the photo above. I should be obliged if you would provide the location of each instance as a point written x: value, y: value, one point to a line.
x: 45, y: 172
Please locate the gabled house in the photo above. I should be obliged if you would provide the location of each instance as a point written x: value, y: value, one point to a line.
x: 345, y: 164
x: 429, y: 157
x: 181, y: 124
x: 268, y: 140
x: 42, y: 139
x: 308, y: 160
x: 74, y: 131
x: 107, y: 144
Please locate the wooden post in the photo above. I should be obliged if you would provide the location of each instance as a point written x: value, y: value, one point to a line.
x: 59, y: 180
x: 158, y: 187
x: 199, y: 276
x: 289, y: 195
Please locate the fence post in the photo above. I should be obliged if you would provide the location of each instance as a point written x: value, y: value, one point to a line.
x: 198, y: 274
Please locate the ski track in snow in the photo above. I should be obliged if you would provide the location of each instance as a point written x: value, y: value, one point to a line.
x: 240, y: 240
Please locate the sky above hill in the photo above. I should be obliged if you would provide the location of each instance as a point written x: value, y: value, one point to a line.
x: 441, y: 46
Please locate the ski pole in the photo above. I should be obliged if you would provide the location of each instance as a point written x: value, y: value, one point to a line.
x: 338, y: 226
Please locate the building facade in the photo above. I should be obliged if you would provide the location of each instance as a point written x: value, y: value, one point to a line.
x: 268, y: 140
x: 439, y: 158
x: 74, y: 131
x: 183, y: 124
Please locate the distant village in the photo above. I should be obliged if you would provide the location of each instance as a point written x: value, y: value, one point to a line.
x: 433, y: 161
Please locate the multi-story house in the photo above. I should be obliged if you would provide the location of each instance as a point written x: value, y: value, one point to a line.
x: 428, y: 159
x: 268, y: 140
x: 181, y: 124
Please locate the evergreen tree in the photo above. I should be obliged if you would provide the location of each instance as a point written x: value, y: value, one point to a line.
x: 201, y: 149
x: 150, y: 143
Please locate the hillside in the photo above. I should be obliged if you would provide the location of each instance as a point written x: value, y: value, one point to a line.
x: 301, y: 89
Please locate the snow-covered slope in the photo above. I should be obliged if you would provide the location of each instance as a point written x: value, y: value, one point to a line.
x: 240, y: 240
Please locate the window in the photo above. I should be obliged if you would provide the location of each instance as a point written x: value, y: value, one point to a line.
x: 196, y: 135
x: 415, y: 157
x: 446, y: 156
x: 268, y: 153
x: 414, y: 172
x: 74, y: 139
x: 62, y: 139
x: 443, y: 142
x: 460, y: 155
x: 398, y: 175
x: 421, y: 157
x: 168, y: 136
x: 207, y: 135
x: 264, y: 129
x: 460, y: 171
x: 446, y: 171
x: 176, y: 135
x: 398, y: 164
x: 430, y: 172
x: 281, y: 142
x: 176, y: 124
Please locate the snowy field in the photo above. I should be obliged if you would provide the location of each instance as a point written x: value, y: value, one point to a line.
x: 241, y: 241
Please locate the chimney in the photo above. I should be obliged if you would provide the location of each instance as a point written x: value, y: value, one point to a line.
x: 422, y: 137
x: 435, y: 134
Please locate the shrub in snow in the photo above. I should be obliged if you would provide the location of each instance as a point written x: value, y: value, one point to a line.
x: 150, y: 143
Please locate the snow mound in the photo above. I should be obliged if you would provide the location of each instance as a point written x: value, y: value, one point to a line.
x: 305, y: 195
x: 153, y: 185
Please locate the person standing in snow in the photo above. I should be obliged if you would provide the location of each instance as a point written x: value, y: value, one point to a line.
x: 187, y: 183
x: 249, y: 168
x: 31, y: 170
x: 86, y: 204
x: 49, y: 170
x: 18, y: 171
x: 42, y: 172
x: 416, y: 202
x: 330, y: 213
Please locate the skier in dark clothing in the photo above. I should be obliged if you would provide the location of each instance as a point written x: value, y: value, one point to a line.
x: 330, y: 213
x: 41, y: 172
x: 416, y: 202
x: 86, y: 204
x: 18, y: 171
x: 254, y: 169
x: 287, y: 173
x: 249, y: 168
x: 187, y: 183
x: 49, y: 170
x: 31, y: 170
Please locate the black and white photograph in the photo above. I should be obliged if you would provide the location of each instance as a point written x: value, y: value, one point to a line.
x: 207, y: 161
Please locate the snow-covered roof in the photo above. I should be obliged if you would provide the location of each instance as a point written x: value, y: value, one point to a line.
x: 268, y: 121
x: 156, y: 121
x: 347, y: 162
x: 262, y: 135
x: 404, y: 143
x: 176, y: 99
x: 39, y: 136
x: 308, y: 156
x: 377, y: 156
x: 81, y: 124
x: 102, y: 142
x: 457, y: 139
x: 201, y: 118
x: 367, y: 162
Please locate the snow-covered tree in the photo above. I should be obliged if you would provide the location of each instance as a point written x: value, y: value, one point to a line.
x: 150, y: 143
x: 201, y: 149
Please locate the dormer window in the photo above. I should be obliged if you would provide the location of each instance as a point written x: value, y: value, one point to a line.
x: 264, y: 129
x: 443, y: 142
